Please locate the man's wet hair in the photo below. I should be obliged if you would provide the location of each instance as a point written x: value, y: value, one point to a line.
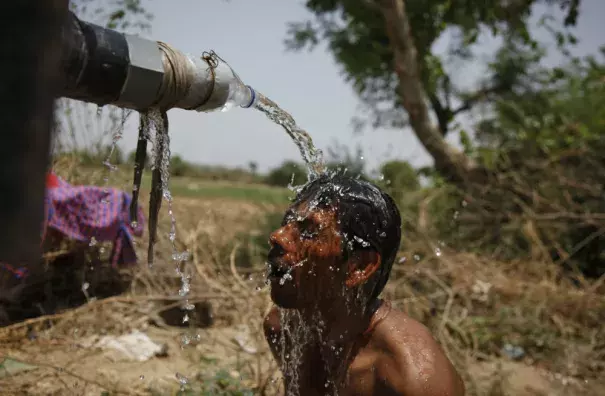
x: 367, y: 216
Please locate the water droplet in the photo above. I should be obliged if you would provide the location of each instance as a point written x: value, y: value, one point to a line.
x: 285, y: 278
x: 437, y: 252
x: 141, y: 377
x: 182, y: 380
x: 180, y: 257
x: 184, y: 290
x: 185, y: 340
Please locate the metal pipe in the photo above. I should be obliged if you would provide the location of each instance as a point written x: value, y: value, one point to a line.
x: 104, y: 66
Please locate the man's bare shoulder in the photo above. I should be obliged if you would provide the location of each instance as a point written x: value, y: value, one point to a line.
x: 412, y: 362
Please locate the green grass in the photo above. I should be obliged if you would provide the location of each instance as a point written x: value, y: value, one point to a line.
x: 185, y: 186
x: 195, y: 188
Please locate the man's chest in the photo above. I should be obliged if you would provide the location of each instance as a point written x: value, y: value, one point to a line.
x: 361, y: 375
x: 357, y: 379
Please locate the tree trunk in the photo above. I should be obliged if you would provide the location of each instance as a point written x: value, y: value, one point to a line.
x: 31, y: 34
x: 449, y: 162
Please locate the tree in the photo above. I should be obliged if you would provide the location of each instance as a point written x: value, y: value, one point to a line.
x: 545, y: 146
x: 398, y: 178
x: 31, y: 40
x: 384, y: 48
x: 178, y: 166
x: 253, y: 167
x: 288, y: 173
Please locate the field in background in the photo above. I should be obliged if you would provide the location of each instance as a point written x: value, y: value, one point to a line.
x: 511, y: 328
x: 179, y: 185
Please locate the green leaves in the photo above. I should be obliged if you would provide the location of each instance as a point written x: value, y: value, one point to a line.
x: 356, y: 36
x: 122, y: 15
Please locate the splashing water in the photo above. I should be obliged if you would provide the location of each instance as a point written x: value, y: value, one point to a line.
x: 298, y: 333
x: 139, y: 166
x: 158, y: 133
x: 312, y: 156
x: 160, y: 190
x: 115, y: 138
x: 183, y: 381
x: 244, y: 96
x: 109, y: 168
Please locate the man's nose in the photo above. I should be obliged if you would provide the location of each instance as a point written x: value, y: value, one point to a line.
x: 283, y: 239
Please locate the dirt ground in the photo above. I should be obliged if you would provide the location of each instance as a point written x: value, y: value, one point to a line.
x: 68, y: 366
x: 59, y: 355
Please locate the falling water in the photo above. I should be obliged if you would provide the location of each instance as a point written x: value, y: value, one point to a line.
x: 157, y: 136
x: 312, y: 156
x: 115, y: 138
x: 298, y: 333
x: 160, y: 190
x: 139, y: 166
x: 109, y: 167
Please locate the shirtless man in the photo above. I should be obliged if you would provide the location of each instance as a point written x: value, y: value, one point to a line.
x: 329, y: 331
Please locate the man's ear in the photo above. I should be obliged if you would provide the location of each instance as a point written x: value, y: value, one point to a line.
x: 361, y: 266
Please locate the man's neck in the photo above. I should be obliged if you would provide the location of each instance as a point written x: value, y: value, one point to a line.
x: 340, y: 323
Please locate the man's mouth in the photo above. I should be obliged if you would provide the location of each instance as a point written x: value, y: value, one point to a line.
x: 277, y: 271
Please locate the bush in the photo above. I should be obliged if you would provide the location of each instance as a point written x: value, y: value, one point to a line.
x: 255, y: 246
x: 543, y: 199
x: 287, y: 173
x: 178, y: 166
x: 397, y: 178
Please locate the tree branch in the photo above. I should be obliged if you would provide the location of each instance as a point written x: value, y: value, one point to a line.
x: 444, y: 114
x: 450, y: 162
x: 480, y: 95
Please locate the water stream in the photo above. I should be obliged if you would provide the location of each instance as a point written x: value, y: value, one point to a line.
x: 115, y: 138
x: 154, y: 129
x: 160, y: 190
x: 312, y: 156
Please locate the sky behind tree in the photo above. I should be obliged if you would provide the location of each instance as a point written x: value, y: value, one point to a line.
x: 250, y: 36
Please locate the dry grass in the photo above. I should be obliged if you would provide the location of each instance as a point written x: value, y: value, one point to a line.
x: 474, y: 307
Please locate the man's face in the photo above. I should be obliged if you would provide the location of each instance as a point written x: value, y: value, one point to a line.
x: 305, y: 260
